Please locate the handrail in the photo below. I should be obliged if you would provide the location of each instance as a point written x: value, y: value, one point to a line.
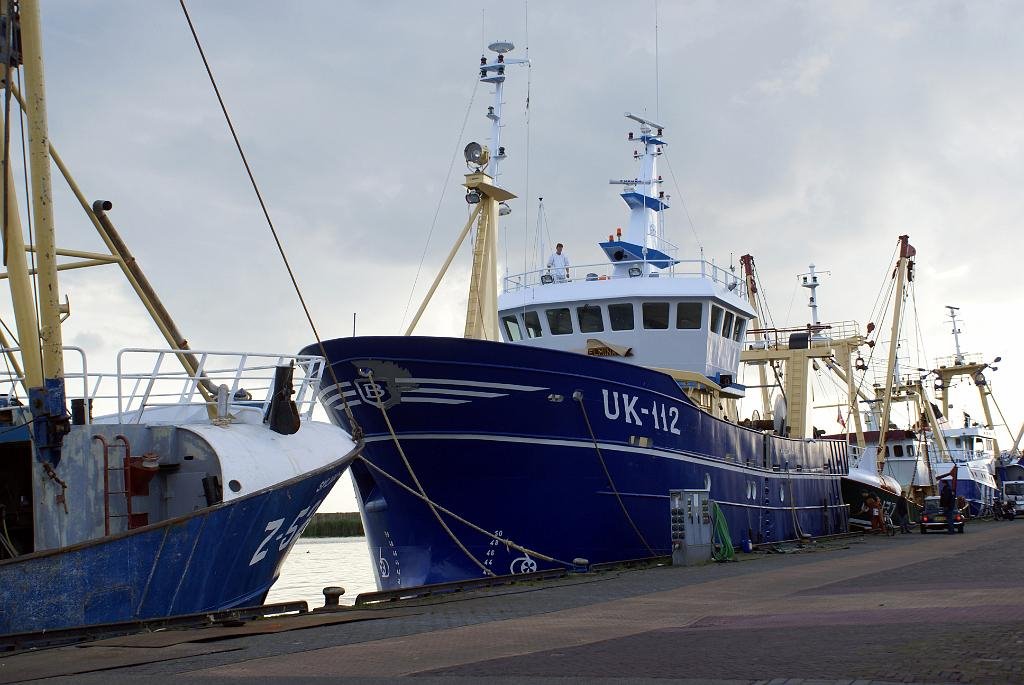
x: 148, y: 378
x: 691, y: 268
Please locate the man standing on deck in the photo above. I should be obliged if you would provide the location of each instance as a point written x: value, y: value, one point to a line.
x: 558, y: 264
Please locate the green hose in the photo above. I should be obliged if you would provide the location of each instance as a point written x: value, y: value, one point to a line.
x: 721, y: 541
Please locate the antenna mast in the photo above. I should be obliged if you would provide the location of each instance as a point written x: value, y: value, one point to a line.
x: 956, y: 333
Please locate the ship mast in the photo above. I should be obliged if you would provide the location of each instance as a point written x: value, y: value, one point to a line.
x: 47, y: 399
x: 489, y: 202
x: 481, y: 188
x: 975, y: 370
x: 904, y: 274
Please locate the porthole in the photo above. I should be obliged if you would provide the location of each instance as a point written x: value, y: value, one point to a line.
x: 234, y: 485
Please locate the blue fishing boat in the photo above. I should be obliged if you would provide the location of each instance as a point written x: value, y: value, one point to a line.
x: 180, y: 479
x: 552, y: 433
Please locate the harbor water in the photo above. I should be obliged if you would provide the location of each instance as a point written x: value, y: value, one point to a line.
x: 315, y: 563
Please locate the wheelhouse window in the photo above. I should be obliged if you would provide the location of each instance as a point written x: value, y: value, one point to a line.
x: 532, y: 322
x: 655, y: 315
x: 897, y: 450
x: 559, y: 321
x: 512, y: 330
x: 910, y: 450
x: 621, y: 316
x: 716, y: 319
x: 590, y: 320
x: 688, y: 315
x: 737, y: 329
x: 727, y: 326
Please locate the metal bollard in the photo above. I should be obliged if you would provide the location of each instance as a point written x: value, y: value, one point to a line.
x: 332, y: 596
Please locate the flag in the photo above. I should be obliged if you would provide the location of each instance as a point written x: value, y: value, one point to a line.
x: 839, y: 418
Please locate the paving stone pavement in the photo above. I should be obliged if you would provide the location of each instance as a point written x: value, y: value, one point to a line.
x: 928, y: 609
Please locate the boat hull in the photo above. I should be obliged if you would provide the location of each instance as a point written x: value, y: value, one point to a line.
x: 571, y: 457
x: 217, y: 558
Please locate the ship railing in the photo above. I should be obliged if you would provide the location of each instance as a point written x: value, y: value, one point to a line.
x: 603, y: 271
x: 149, y: 378
x: 839, y: 330
x: 962, y: 456
x: 855, y: 454
x: 671, y: 249
x: 14, y: 390
x: 779, y: 338
x: 962, y: 360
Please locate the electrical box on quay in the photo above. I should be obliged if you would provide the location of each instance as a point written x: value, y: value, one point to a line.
x: 690, y: 521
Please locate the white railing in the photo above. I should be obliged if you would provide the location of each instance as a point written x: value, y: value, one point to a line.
x: 76, y: 374
x: 960, y: 455
x: 149, y: 378
x: 249, y: 377
x: 692, y: 268
x: 838, y: 330
x: 973, y: 358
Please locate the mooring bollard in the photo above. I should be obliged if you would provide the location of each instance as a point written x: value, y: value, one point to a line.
x: 332, y: 596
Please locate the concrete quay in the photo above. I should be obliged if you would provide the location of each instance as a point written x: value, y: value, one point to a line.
x: 933, y: 608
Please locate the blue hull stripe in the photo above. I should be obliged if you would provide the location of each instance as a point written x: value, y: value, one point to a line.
x: 207, y: 561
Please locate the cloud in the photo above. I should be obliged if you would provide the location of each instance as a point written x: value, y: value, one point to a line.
x: 801, y: 77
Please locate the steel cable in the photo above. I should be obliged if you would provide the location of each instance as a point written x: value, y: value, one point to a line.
x: 355, y: 428
x: 578, y: 396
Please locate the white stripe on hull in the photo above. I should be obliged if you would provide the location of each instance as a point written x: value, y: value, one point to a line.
x: 611, y: 447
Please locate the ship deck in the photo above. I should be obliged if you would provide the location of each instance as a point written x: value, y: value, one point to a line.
x: 914, y: 608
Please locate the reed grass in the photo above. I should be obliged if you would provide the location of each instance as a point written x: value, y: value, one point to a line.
x: 335, y: 525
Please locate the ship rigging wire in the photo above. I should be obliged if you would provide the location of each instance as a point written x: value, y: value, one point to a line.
x: 682, y: 200
x: 526, y: 186
x: 356, y: 430
x: 25, y: 174
x: 28, y: 205
x: 440, y: 200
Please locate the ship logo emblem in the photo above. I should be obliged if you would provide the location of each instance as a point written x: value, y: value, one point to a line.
x: 522, y: 565
x: 378, y: 382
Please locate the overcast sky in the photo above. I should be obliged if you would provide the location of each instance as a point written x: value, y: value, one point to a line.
x: 798, y: 132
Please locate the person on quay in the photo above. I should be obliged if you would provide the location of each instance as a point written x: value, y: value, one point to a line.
x: 903, y: 513
x: 948, y: 503
x: 558, y: 265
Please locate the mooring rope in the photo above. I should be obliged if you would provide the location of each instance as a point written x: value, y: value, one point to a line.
x: 578, y: 396
x: 356, y: 431
x: 505, y: 541
x: 419, y: 486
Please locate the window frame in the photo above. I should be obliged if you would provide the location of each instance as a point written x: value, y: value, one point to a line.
x: 590, y: 308
x: 700, y: 316
x: 643, y: 315
x: 512, y: 318
x: 715, y: 322
x: 727, y: 324
x: 632, y: 316
x: 553, y: 315
x: 538, y: 330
